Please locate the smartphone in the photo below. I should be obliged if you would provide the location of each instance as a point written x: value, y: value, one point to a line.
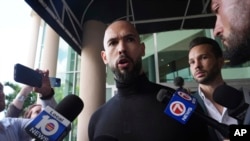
x: 55, y: 82
x: 26, y: 75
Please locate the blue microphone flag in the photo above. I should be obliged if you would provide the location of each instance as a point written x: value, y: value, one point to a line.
x: 181, y: 106
x: 49, y: 125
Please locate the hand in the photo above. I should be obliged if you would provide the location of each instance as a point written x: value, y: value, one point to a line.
x: 45, y: 89
x: 26, y: 89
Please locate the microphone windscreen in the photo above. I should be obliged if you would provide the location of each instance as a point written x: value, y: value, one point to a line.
x: 161, y: 95
x: 227, y: 96
x: 70, y: 107
x: 165, y: 94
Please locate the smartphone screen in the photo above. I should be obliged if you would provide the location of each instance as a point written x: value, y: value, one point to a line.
x: 55, y: 82
x: 26, y: 75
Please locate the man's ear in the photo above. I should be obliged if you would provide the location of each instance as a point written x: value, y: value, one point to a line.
x: 104, y: 58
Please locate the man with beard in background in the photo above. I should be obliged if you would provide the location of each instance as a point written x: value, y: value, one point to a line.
x: 233, y: 28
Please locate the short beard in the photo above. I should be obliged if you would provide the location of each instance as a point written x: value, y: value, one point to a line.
x: 210, y: 77
x: 238, y: 50
x: 128, y: 76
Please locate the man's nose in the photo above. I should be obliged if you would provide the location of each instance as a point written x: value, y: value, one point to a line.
x: 121, y: 48
x: 218, y: 28
x: 197, y: 64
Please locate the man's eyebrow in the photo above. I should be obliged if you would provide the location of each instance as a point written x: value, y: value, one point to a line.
x: 131, y: 35
x: 111, y: 39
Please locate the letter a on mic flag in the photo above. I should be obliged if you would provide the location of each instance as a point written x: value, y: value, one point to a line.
x: 181, y: 106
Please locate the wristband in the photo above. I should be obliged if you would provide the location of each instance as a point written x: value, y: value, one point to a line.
x: 48, y: 96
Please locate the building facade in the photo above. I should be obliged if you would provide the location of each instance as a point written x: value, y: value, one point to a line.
x: 166, y: 57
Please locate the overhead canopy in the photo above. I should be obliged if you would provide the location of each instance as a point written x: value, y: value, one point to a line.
x: 67, y: 17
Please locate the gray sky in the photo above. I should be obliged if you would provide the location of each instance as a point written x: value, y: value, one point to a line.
x: 14, y: 36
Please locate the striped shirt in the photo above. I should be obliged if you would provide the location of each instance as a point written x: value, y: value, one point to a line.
x: 13, y: 129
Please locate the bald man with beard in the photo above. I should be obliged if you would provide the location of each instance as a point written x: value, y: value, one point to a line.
x: 134, y: 114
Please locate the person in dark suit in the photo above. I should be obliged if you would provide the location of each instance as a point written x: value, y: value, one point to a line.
x: 206, y: 61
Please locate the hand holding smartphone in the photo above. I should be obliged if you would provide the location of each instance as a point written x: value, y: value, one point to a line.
x: 55, y: 82
x: 28, y: 76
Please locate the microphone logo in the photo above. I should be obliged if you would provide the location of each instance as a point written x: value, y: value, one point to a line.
x: 181, y: 106
x: 177, y: 108
x: 48, y: 126
x: 184, y: 95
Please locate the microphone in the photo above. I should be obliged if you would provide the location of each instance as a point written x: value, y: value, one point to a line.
x: 236, y: 101
x: 54, y: 125
x: 105, y: 138
x: 183, y: 102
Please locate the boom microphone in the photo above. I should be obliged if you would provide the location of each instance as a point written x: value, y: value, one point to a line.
x: 236, y: 101
x: 54, y: 125
x: 163, y: 96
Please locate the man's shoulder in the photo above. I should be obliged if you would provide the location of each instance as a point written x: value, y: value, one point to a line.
x: 161, y: 86
x: 9, y: 121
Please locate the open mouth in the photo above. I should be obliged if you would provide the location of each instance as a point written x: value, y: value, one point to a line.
x: 123, y: 63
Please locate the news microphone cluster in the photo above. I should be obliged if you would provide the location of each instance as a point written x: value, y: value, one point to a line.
x: 54, y: 124
x: 181, y: 106
x: 235, y: 100
x: 49, y: 125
